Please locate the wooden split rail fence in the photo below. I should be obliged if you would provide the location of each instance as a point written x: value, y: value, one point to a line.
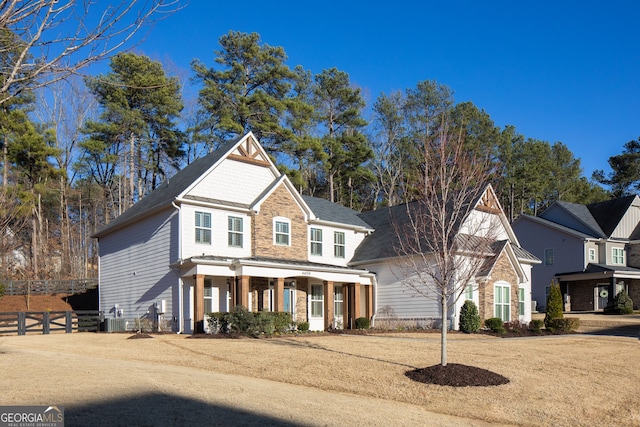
x: 50, y: 321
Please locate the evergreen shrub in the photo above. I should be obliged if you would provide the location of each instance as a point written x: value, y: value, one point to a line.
x: 495, y: 324
x: 362, y: 323
x: 622, y: 303
x: 469, y: 317
x: 554, y: 305
x: 536, y: 325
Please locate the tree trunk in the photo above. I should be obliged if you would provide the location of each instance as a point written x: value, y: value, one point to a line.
x: 443, y: 334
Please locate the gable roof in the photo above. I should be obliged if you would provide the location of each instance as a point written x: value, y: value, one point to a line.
x: 600, y: 217
x: 608, y: 214
x: 324, y: 210
x: 576, y: 211
x: 162, y: 197
x: 383, y: 242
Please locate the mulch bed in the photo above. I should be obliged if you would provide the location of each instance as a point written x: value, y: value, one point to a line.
x: 138, y: 336
x: 456, y: 375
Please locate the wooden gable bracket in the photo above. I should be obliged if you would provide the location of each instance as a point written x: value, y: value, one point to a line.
x: 250, y: 153
x: 489, y: 204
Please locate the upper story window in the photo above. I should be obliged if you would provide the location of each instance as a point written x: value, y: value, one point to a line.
x: 282, y: 231
x: 203, y: 227
x: 592, y: 255
x: 338, y: 244
x: 316, y: 241
x: 548, y: 256
x: 235, y: 231
x: 617, y: 256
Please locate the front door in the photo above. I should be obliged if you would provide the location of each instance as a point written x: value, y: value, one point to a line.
x: 316, y: 308
x: 602, y: 296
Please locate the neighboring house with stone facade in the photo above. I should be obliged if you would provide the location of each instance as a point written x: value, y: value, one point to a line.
x: 229, y: 229
x: 593, y: 251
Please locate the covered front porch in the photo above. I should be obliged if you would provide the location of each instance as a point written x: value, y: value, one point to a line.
x: 594, y: 288
x: 325, y: 296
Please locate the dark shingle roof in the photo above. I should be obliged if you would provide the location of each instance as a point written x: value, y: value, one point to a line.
x: 582, y: 213
x: 325, y: 210
x: 609, y: 214
x: 162, y: 196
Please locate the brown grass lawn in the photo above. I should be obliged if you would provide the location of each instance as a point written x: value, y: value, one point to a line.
x: 573, y: 380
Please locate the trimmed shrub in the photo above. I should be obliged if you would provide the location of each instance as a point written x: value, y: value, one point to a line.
x: 565, y: 325
x: 469, y: 317
x: 303, y: 326
x: 495, y: 324
x: 622, y: 303
x: 554, y: 305
x: 536, y: 325
x: 282, y: 322
x: 241, y: 320
x: 362, y: 323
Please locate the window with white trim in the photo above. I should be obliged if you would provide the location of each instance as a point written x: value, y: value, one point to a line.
x: 592, y: 255
x: 617, y: 256
x: 338, y: 301
x: 468, y: 292
x: 548, y: 256
x: 521, y: 301
x: 317, y: 299
x: 208, y: 296
x: 282, y: 232
x: 502, y: 302
x: 316, y: 241
x: 203, y: 227
x: 235, y: 231
x: 338, y: 244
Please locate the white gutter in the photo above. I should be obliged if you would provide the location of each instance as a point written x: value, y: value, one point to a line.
x: 356, y: 228
x: 374, y: 283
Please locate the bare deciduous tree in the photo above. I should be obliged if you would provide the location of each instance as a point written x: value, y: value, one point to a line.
x: 446, y: 238
x: 45, y: 41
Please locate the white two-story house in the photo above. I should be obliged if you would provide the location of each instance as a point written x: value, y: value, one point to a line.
x: 229, y: 229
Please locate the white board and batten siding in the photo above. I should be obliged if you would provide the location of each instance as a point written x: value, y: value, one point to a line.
x: 234, y: 181
x: 134, y: 267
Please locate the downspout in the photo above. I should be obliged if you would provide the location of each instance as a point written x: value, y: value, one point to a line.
x: 180, y: 284
x: 374, y: 283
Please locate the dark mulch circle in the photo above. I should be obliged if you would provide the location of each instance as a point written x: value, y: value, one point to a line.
x: 137, y: 336
x: 456, y: 375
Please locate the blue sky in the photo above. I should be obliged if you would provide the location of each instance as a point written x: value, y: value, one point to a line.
x: 558, y: 71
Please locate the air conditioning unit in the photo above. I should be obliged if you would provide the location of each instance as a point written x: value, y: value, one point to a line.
x: 115, y: 325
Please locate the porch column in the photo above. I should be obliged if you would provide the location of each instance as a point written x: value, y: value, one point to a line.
x: 243, y: 298
x: 612, y: 292
x: 278, y: 295
x: 356, y: 302
x: 198, y: 304
x: 346, y: 306
x: 328, y: 304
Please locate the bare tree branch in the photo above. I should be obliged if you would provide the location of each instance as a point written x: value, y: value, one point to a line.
x: 445, y: 240
x: 45, y: 41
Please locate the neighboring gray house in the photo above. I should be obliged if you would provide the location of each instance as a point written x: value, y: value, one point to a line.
x: 230, y: 229
x: 592, y: 250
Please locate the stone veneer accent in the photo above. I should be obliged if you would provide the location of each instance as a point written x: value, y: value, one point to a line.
x: 279, y: 204
x: 502, y: 271
x: 633, y: 255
